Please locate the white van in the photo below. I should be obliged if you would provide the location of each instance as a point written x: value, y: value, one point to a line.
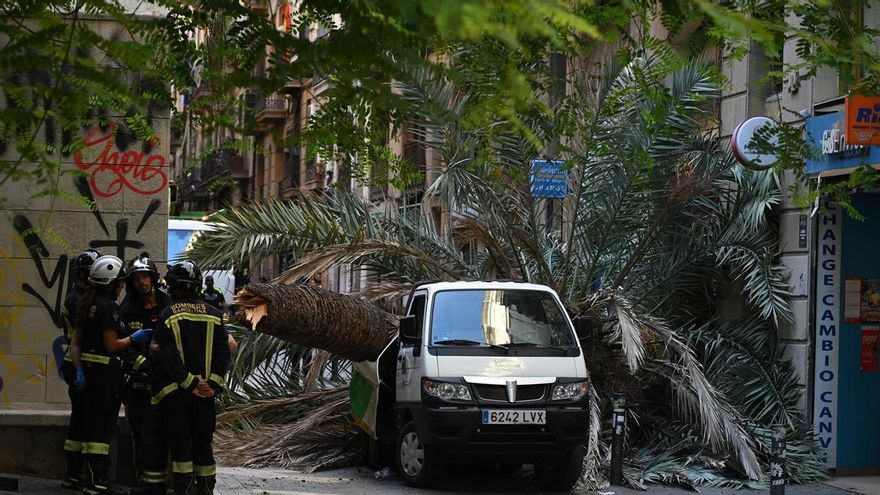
x: 182, y: 233
x: 490, y: 371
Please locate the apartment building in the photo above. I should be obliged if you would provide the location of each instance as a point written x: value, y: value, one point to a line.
x: 272, y: 164
x: 832, y: 339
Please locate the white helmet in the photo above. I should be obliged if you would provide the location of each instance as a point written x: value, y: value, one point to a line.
x: 106, y: 270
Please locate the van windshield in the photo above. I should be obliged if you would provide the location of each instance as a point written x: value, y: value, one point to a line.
x: 508, y: 317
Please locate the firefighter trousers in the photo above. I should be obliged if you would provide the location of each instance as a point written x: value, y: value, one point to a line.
x: 154, y: 446
x: 73, y: 443
x: 137, y: 405
x: 192, y: 431
x: 103, y: 396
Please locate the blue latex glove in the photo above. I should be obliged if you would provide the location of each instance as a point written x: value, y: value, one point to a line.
x: 80, y: 382
x: 142, y: 336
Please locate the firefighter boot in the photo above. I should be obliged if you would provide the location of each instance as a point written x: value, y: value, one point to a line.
x: 184, y: 484
x: 205, y: 485
x: 74, y: 478
x: 97, y: 482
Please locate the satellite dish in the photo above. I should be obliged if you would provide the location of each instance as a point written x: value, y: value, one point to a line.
x: 742, y: 142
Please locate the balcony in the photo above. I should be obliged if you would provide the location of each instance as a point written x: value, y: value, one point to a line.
x: 311, y: 170
x: 215, y: 165
x: 291, y: 171
x: 320, y: 83
x: 270, y: 109
x: 414, y: 153
x: 294, y: 85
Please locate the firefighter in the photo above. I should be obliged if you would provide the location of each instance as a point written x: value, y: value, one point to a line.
x: 213, y: 296
x: 73, y: 373
x: 192, y: 356
x: 102, y: 342
x: 143, y: 304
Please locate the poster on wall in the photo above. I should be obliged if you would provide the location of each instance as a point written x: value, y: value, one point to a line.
x: 870, y: 311
x: 870, y: 339
x: 852, y: 300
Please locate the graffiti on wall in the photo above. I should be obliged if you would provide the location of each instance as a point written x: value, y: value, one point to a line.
x: 109, y: 160
x: 139, y: 171
x: 116, y: 167
x: 52, y: 278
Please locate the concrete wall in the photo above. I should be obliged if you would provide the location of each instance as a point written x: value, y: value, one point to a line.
x: 39, y: 236
x: 34, y: 440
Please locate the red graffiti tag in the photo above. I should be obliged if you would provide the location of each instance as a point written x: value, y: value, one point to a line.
x: 136, y: 170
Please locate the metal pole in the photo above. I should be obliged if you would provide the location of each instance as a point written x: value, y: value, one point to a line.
x: 777, y: 460
x: 617, y: 437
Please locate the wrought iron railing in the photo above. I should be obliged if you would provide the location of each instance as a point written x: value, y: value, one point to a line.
x: 272, y: 103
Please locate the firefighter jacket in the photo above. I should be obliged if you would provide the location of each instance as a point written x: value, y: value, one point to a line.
x: 135, y: 317
x: 102, y: 314
x: 192, y: 348
x: 68, y: 312
x: 214, y: 297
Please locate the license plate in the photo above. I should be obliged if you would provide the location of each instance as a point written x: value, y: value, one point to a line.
x: 514, y: 417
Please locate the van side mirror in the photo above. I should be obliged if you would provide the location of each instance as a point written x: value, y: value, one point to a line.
x: 583, y: 328
x: 409, y: 334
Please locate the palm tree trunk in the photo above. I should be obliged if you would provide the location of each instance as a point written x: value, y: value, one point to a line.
x: 314, y: 317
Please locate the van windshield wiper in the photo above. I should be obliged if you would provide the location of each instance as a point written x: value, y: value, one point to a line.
x: 466, y: 342
x: 537, y: 346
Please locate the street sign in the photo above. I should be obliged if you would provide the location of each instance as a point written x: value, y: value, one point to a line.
x: 548, y: 179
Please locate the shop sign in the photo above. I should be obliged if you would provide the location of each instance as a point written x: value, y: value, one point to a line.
x: 862, y: 117
x: 828, y: 309
x: 825, y: 134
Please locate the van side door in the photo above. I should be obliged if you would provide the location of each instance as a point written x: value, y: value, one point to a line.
x: 409, y: 368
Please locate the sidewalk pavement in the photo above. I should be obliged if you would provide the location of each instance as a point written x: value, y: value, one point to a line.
x: 350, y: 481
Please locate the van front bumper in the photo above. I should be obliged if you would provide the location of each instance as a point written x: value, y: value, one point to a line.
x: 460, y: 431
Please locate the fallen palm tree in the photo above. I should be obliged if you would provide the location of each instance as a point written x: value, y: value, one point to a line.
x: 317, y: 318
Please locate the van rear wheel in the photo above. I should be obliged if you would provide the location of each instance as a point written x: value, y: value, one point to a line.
x: 562, y: 475
x: 418, y: 463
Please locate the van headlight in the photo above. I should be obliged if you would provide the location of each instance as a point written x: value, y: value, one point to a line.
x: 570, y: 391
x: 446, y: 390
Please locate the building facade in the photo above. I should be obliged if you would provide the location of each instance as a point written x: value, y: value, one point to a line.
x: 832, y: 348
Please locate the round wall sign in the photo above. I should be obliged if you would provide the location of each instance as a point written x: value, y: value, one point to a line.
x: 741, y: 141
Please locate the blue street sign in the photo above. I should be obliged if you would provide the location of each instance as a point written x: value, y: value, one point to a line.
x: 548, y: 179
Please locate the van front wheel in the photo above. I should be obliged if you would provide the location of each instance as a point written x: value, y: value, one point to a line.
x: 562, y: 475
x: 418, y: 463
